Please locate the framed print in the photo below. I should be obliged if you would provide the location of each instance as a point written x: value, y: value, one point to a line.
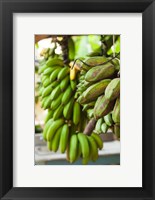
x: 77, y: 99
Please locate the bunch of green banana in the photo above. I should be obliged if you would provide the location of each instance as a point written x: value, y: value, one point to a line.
x: 110, y: 103
x: 57, y: 91
x: 104, y: 123
x: 57, y: 95
x: 98, y: 89
x: 84, y: 146
x: 111, y: 120
x: 56, y: 133
x: 94, y: 80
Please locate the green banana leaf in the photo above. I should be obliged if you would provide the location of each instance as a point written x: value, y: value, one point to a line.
x: 71, y: 47
x: 95, y: 42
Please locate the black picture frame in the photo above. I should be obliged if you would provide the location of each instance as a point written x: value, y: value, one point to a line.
x: 7, y: 8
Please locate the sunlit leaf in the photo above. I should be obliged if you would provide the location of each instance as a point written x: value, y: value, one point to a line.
x: 82, y: 47
x: 95, y: 41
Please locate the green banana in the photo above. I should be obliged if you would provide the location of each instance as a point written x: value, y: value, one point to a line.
x: 54, y: 74
x: 58, y: 112
x: 47, y: 125
x: 47, y: 103
x: 94, y: 91
x: 100, y: 72
x: 44, y: 77
x: 67, y: 111
x: 56, y: 102
x: 48, y: 71
x: 98, y: 125
x: 48, y: 116
x: 108, y: 119
x: 80, y: 98
x: 63, y: 72
x: 40, y: 91
x: 104, y: 128
x: 53, y: 128
x: 102, y: 107
x: 67, y: 95
x: 55, y: 93
x: 43, y: 101
x: 64, y: 83
x: 47, y: 91
x: 54, y: 62
x: 84, y: 145
x: 79, y: 151
x: 98, y: 140
x: 93, y: 61
x: 56, y: 140
x: 88, y: 105
x: 46, y: 82
x: 42, y: 69
x: 49, y: 145
x: 113, y: 89
x: 76, y: 113
x: 116, y: 111
x: 73, y: 84
x: 93, y: 148
x: 64, y: 138
x: 73, y: 149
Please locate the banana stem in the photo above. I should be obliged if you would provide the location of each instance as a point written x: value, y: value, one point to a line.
x: 102, y: 46
x: 64, y: 47
x: 90, y: 127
